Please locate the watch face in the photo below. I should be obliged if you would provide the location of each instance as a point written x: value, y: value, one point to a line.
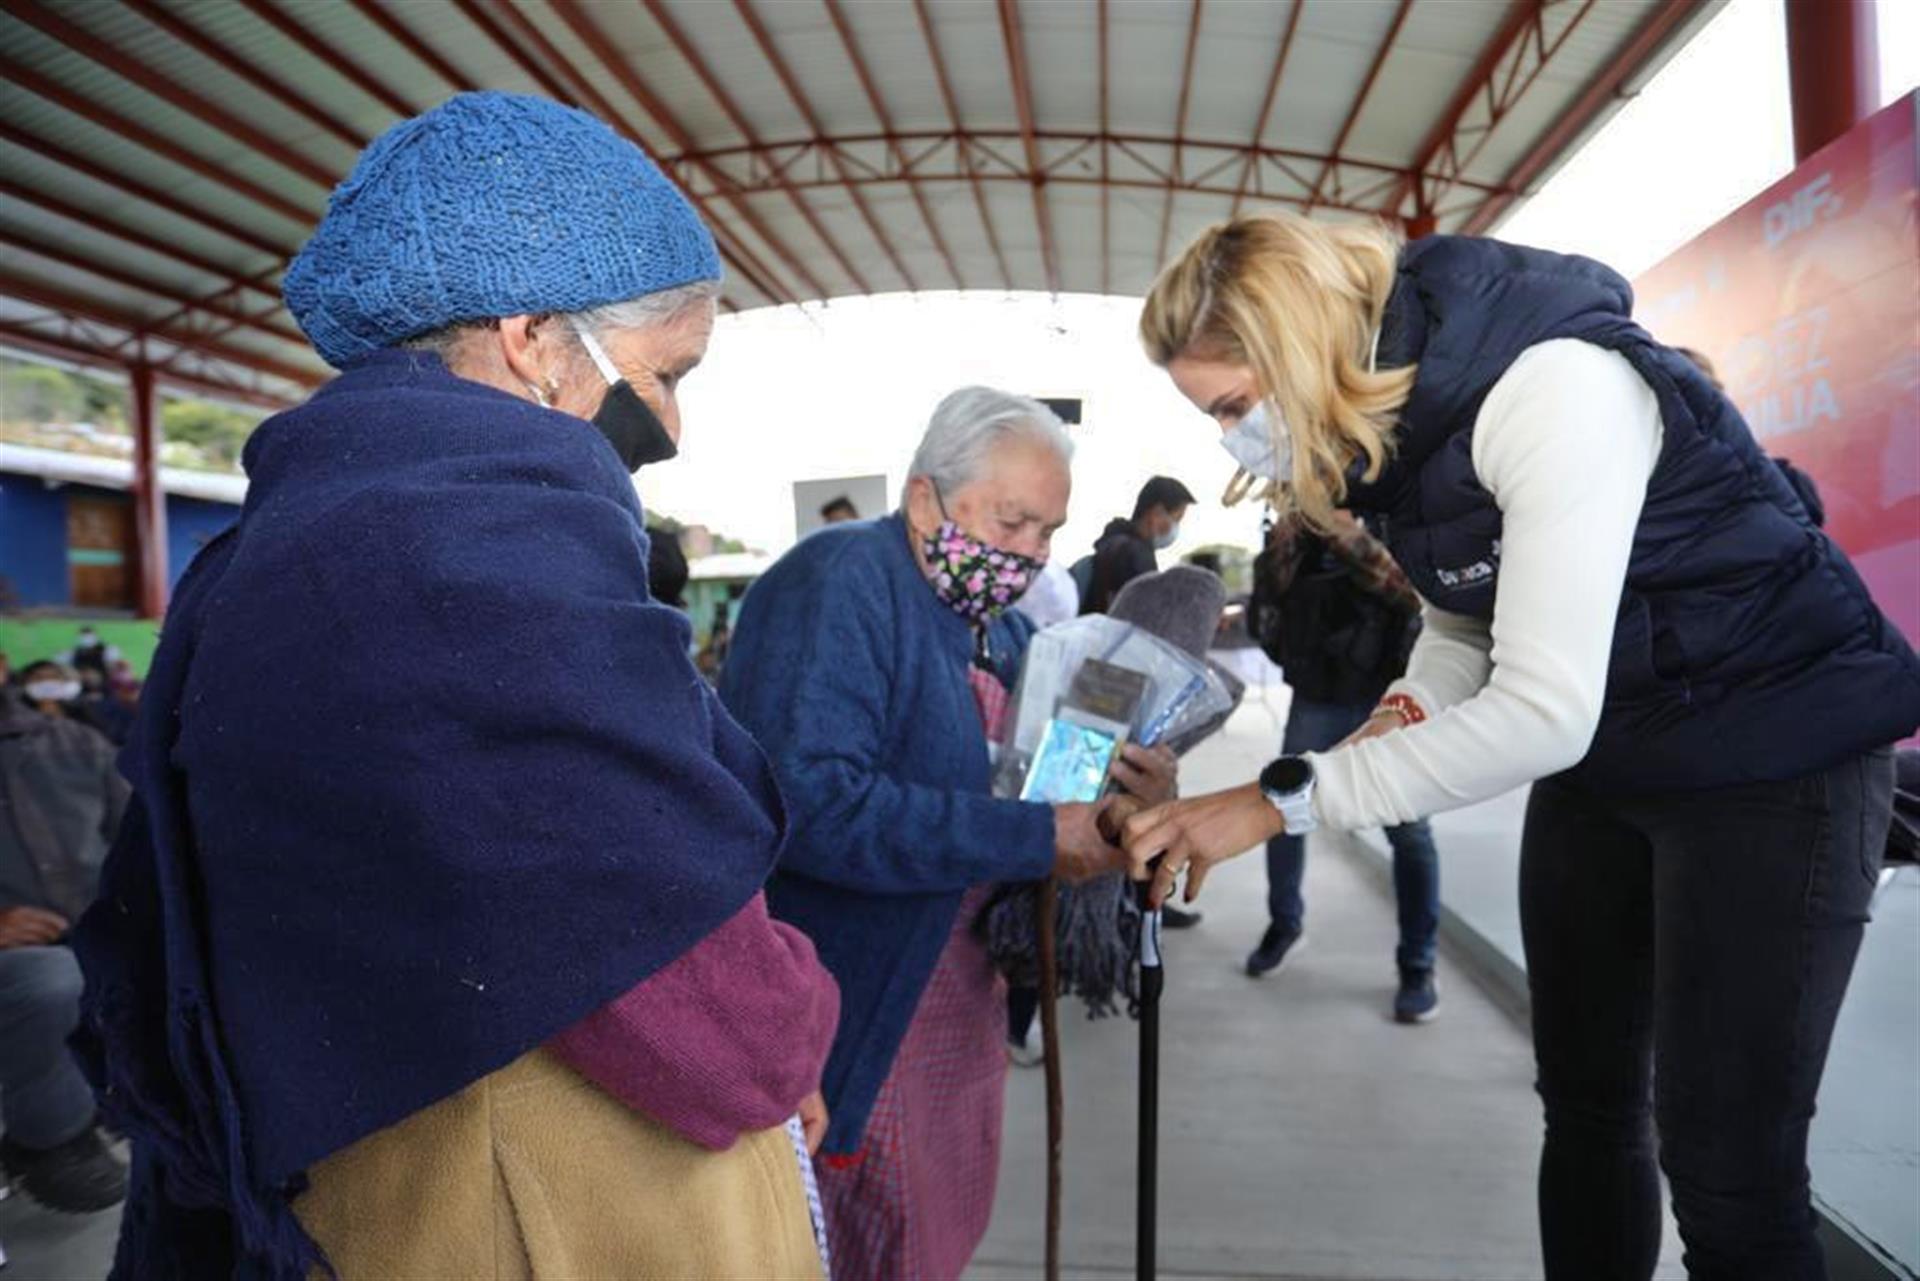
x: 1285, y: 776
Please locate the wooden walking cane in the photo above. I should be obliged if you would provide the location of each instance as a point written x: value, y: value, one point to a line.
x: 1050, y: 1047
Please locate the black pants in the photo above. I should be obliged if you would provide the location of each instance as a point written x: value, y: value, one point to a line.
x: 1687, y: 956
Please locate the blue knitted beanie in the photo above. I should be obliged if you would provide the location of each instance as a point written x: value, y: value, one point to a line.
x: 491, y: 204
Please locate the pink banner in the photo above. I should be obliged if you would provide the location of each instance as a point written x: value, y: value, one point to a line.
x: 1807, y: 300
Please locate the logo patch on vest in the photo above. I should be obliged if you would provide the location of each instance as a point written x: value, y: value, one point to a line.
x: 1481, y: 571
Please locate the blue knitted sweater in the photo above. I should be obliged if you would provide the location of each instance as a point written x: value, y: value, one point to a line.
x: 853, y: 676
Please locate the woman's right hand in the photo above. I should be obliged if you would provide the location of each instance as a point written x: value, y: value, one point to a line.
x: 1080, y: 851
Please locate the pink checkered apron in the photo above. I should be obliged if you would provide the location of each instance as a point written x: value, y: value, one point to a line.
x: 913, y: 1204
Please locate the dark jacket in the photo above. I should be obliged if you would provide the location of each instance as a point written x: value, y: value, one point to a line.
x: 1120, y: 555
x: 1338, y: 622
x: 1746, y: 648
x: 423, y: 778
x: 853, y: 676
x: 61, y: 800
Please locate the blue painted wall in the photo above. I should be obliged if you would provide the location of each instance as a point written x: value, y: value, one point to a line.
x: 33, y: 540
x: 192, y: 523
x: 33, y: 535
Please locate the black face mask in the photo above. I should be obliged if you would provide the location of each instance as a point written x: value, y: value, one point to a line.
x: 637, y: 433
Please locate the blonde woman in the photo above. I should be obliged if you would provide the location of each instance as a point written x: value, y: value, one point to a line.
x: 1627, y: 606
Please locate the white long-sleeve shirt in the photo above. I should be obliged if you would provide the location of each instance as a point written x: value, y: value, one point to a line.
x: 1565, y: 442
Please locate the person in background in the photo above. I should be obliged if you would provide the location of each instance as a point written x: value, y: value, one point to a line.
x: 55, y: 690
x: 666, y: 568
x: 1338, y: 616
x: 1129, y: 547
x: 874, y: 663
x: 91, y: 654
x: 839, y: 511
x: 7, y: 673
x: 1628, y: 607
x: 410, y: 967
x: 61, y: 802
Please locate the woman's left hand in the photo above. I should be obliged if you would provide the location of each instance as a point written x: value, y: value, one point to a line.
x: 1150, y: 774
x: 813, y: 1120
x: 1194, y: 835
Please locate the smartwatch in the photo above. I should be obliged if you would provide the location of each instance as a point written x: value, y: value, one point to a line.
x: 1288, y: 784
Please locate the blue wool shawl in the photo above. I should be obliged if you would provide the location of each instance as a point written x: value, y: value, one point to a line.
x: 423, y: 777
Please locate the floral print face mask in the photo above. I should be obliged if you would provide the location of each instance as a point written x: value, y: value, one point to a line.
x: 977, y: 580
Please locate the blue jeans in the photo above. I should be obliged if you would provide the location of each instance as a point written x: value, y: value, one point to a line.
x: 44, y: 1101
x: 1315, y: 727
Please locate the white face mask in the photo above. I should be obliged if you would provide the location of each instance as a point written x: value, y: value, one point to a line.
x: 1167, y: 539
x: 53, y: 691
x: 1252, y: 442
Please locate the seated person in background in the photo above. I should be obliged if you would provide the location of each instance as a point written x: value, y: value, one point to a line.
x: 839, y: 511
x: 1127, y: 549
x: 60, y: 803
x: 56, y: 691
x: 874, y: 664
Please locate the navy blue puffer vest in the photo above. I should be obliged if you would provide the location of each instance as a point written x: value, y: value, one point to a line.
x: 1746, y: 648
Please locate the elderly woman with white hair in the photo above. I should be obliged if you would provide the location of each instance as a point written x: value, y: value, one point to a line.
x: 434, y: 942
x: 873, y: 663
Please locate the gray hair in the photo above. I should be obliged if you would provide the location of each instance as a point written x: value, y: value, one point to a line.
x: 643, y: 312
x: 970, y: 423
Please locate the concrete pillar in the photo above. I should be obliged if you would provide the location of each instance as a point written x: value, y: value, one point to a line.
x: 1833, y: 69
x: 149, y: 500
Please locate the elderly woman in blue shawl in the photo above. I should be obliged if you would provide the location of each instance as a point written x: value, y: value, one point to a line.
x: 874, y: 663
x: 434, y: 943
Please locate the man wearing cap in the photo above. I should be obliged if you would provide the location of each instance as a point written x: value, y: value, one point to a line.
x: 433, y: 944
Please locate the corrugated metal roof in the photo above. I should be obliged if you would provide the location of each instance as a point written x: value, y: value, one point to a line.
x: 163, y: 156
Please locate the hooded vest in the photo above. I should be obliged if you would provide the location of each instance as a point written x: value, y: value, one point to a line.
x: 1746, y: 648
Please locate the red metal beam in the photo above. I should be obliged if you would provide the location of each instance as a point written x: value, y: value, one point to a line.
x: 953, y: 117
x: 785, y: 75
x: 611, y: 59
x: 151, y: 195
x: 217, y: 53
x: 330, y: 57
x: 1522, y: 16
x: 1359, y: 104
x: 413, y: 44
x: 691, y: 56
x: 1833, y: 69
x: 149, y: 497
x: 1179, y: 131
x: 42, y: 86
x: 479, y: 17
x: 926, y: 150
x: 64, y: 347
x: 1106, y: 192
x: 41, y: 295
x: 1266, y: 107
x: 91, y: 47
x: 1600, y: 91
x: 133, y: 236
x: 526, y: 36
x: 886, y: 123
x: 29, y: 243
x: 1497, y: 80
x: 1023, y: 103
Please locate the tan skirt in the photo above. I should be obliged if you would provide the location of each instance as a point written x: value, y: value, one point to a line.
x: 534, y: 1172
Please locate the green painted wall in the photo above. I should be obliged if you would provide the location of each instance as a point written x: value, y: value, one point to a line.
x: 23, y: 640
